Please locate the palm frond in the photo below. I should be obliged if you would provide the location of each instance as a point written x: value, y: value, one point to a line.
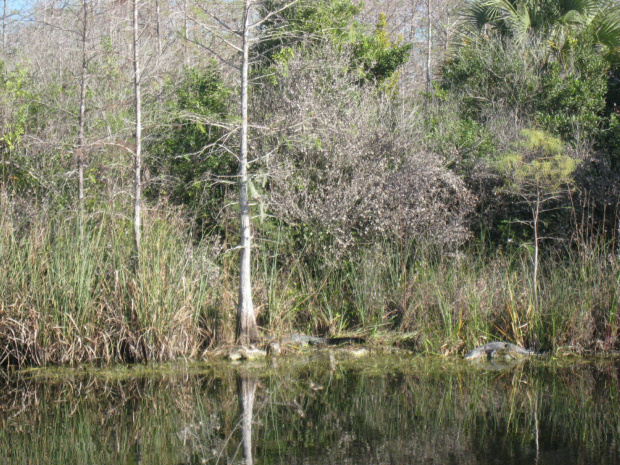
x: 520, y: 25
x: 583, y: 7
x: 482, y: 13
x: 606, y: 32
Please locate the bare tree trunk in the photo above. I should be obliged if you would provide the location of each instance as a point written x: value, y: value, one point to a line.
x: 185, y: 34
x: 4, y: 26
x: 137, y: 216
x: 246, y: 390
x: 536, y: 216
x: 82, y: 113
x: 429, y: 45
x: 247, y: 330
x: 158, y: 28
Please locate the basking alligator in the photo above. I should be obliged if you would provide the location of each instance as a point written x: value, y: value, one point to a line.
x: 499, y: 351
x: 304, y: 340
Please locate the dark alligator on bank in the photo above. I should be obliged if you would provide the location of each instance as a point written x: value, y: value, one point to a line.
x: 499, y: 351
x: 302, y: 339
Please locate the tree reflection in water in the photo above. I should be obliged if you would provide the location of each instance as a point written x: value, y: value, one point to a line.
x: 246, y: 390
x: 392, y: 410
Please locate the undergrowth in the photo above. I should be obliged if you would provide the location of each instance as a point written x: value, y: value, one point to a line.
x: 68, y: 294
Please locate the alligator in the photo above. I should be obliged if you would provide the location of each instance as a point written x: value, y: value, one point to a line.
x: 302, y: 339
x: 499, y: 351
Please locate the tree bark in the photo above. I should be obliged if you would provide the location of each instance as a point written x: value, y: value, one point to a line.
x: 429, y: 50
x: 158, y: 28
x: 4, y: 26
x: 137, y: 214
x: 247, y: 331
x: 536, y: 217
x: 185, y: 34
x: 82, y: 111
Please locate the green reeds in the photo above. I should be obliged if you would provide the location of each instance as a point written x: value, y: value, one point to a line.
x: 453, y: 302
x: 67, y: 297
x: 69, y: 294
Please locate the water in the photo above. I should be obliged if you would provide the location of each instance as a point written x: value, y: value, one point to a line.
x: 315, y: 410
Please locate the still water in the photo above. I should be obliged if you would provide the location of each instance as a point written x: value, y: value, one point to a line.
x: 315, y: 410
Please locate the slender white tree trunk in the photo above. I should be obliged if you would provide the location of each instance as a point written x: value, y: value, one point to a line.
x: 158, y: 28
x: 82, y: 111
x: 137, y: 199
x: 429, y: 46
x: 247, y: 330
x: 536, y: 216
x: 185, y: 34
x: 4, y: 26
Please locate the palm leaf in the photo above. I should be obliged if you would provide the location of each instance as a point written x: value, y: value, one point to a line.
x: 606, y: 31
x: 583, y: 7
x: 482, y: 13
x: 520, y: 25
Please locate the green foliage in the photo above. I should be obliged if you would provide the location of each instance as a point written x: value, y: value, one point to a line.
x: 308, y: 24
x: 184, y: 154
x: 12, y: 92
x: 203, y: 92
x: 566, y: 47
x: 351, y: 178
x: 562, y: 89
x: 552, y: 22
x: 534, y: 63
x: 316, y: 24
x: 18, y: 105
x: 538, y: 165
x: 492, y: 75
x: 463, y: 141
x: 572, y: 99
x: 609, y: 132
x: 611, y: 139
x: 376, y: 56
x: 539, y: 173
x: 540, y: 142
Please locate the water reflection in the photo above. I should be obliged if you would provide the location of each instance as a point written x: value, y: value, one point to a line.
x: 377, y: 411
x: 246, y: 388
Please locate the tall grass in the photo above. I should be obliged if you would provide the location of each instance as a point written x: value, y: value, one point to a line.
x: 69, y: 294
x: 448, y: 303
x: 67, y: 297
